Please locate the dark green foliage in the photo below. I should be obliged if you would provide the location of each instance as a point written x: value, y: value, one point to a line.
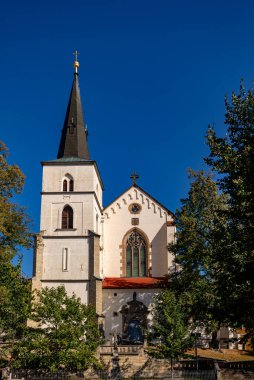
x: 171, y: 326
x: 198, y: 252
x: 15, y: 297
x: 66, y: 335
x: 232, y: 158
x: 14, y: 234
x: 14, y: 223
x: 215, y: 226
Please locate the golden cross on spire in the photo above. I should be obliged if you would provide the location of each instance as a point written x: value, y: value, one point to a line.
x: 76, y: 63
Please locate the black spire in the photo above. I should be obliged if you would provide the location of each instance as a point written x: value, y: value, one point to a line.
x: 74, y: 133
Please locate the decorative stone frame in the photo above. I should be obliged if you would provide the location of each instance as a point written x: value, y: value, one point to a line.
x: 134, y: 204
x: 67, y: 177
x: 123, y: 252
x: 59, y: 218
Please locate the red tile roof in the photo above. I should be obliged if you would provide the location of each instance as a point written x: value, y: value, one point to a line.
x: 133, y: 282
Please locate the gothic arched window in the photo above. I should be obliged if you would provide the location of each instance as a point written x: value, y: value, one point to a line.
x: 135, y: 255
x: 67, y: 217
x: 65, y: 185
x: 68, y: 183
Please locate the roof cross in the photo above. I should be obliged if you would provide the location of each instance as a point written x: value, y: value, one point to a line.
x: 76, y: 53
x: 134, y: 176
x: 76, y: 62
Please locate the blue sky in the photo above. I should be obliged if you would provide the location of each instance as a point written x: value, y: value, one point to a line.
x: 153, y: 75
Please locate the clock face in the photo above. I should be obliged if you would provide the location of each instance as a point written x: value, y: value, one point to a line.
x: 134, y: 208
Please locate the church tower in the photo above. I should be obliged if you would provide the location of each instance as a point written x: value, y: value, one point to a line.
x: 67, y: 250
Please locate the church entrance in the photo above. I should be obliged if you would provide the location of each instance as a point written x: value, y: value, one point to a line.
x: 134, y: 315
x: 134, y: 332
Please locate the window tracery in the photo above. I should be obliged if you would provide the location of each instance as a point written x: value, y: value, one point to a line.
x: 136, y: 255
x: 67, y: 183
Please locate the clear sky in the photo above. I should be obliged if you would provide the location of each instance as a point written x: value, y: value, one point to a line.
x: 153, y: 75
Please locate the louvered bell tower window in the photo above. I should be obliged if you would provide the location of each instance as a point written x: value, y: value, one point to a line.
x: 136, y: 255
x: 67, y: 218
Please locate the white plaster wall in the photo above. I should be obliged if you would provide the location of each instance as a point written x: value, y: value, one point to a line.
x: 171, y: 230
x: 84, y: 176
x: 112, y: 303
x: 78, y: 253
x: 87, y: 216
x: 79, y: 289
x: 152, y: 221
x: 85, y: 209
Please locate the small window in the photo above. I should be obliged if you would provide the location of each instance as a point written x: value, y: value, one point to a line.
x: 67, y: 218
x: 68, y: 183
x: 65, y: 185
x: 65, y: 259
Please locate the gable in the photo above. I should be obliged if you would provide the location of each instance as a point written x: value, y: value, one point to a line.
x: 136, y: 194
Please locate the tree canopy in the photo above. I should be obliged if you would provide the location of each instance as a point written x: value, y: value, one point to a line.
x: 214, y: 250
x: 170, y: 324
x: 14, y: 234
x: 232, y: 158
x: 14, y: 222
x: 65, y: 334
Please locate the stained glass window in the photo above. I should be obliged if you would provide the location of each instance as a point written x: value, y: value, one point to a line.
x: 136, y: 263
x: 128, y: 261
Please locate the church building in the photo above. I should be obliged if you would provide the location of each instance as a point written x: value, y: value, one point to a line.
x: 114, y: 257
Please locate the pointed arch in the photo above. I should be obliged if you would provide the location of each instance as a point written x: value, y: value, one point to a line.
x: 67, y: 217
x: 135, y: 253
x: 67, y: 183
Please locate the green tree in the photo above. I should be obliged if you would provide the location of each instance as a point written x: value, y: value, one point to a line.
x: 14, y: 223
x: 201, y: 225
x: 66, y: 336
x: 15, y: 297
x: 232, y: 157
x: 171, y: 325
x: 14, y: 234
x: 215, y: 226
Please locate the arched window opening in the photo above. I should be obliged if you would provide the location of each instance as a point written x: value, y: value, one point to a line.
x: 67, y: 218
x: 68, y: 183
x: 135, y: 255
x: 65, y: 185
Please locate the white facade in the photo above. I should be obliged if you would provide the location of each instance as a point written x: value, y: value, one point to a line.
x: 155, y: 223
x: 66, y: 251
x: 85, y: 247
x: 113, y: 302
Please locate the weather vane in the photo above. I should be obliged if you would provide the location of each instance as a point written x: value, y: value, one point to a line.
x: 134, y: 176
x: 76, y: 62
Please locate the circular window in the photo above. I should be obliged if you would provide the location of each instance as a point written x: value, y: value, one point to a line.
x: 135, y: 208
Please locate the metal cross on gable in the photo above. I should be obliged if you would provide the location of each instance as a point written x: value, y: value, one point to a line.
x: 134, y: 176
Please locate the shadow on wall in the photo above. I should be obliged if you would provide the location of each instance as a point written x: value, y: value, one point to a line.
x: 160, y: 253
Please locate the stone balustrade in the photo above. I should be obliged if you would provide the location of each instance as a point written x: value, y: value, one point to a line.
x: 121, y: 350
